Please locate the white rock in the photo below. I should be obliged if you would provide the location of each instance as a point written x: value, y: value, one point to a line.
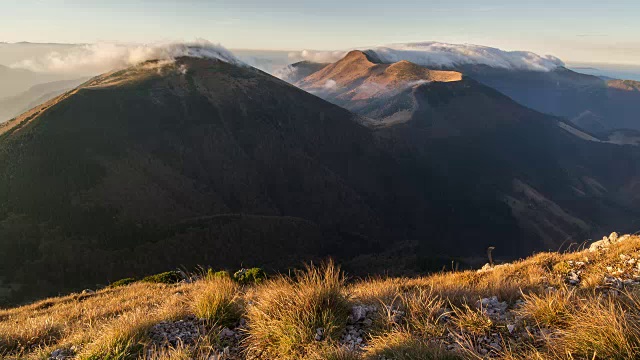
x: 613, y: 237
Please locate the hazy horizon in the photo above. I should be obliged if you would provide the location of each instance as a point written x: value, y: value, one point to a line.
x: 575, y: 31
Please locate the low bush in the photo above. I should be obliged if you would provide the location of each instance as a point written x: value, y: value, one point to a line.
x: 169, y: 277
x: 121, y: 282
x: 250, y: 276
x: 211, y: 274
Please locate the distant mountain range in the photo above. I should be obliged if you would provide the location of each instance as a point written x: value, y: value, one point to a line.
x: 15, y: 105
x: 15, y: 81
x: 542, y: 167
x: 592, y: 103
x: 197, y: 161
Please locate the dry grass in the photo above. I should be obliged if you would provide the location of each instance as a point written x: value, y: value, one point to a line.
x: 604, y: 328
x: 80, y: 319
x: 219, y: 301
x: 424, y: 312
x: 472, y: 321
x: 551, y: 309
x: 283, y: 314
x: 286, y: 313
x: 402, y: 345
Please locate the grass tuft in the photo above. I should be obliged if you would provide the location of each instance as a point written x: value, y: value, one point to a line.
x: 219, y: 301
x: 286, y: 313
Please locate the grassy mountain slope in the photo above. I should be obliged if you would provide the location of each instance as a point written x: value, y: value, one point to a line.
x: 194, y: 162
x: 573, y: 305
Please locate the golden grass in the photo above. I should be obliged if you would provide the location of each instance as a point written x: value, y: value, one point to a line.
x: 402, y: 345
x: 219, y: 301
x: 284, y: 313
x: 604, y: 328
x: 471, y: 320
x: 551, y: 309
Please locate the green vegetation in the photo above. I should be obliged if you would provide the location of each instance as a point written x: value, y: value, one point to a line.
x: 122, y: 282
x: 250, y: 276
x: 169, y: 277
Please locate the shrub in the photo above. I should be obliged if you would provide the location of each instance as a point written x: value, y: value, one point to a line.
x: 169, y: 277
x: 250, y: 276
x: 211, y: 274
x: 292, y: 318
x: 121, y: 282
x: 218, y: 301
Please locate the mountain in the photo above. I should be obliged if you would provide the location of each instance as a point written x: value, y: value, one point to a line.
x: 610, y: 104
x: 15, y: 81
x: 298, y: 71
x: 36, y: 95
x: 542, y: 83
x: 200, y: 161
x: 555, y: 179
x: 360, y: 83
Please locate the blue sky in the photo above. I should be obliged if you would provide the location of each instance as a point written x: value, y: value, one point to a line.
x: 585, y: 30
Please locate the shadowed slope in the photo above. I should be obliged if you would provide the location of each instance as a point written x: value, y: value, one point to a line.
x: 150, y: 163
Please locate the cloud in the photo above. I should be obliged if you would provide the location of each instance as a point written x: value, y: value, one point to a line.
x: 287, y: 73
x: 317, y: 56
x: 102, y: 57
x: 442, y: 55
x: 330, y: 84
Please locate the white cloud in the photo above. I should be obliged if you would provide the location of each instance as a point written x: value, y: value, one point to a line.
x: 330, y: 84
x: 102, y: 57
x: 286, y: 73
x: 442, y: 55
x: 317, y: 56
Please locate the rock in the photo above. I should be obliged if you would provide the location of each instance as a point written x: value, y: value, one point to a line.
x: 173, y: 333
x: 613, y: 238
x: 510, y: 328
x: 358, y: 313
x: 573, y: 278
x: 62, y: 354
x: 600, y: 245
x: 88, y: 292
x: 226, y: 332
x: 319, y: 334
x: 486, y: 267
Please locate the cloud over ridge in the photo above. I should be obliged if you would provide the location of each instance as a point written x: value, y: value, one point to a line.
x: 102, y: 57
x: 443, y: 55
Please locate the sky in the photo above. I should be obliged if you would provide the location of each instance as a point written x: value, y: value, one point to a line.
x: 576, y: 31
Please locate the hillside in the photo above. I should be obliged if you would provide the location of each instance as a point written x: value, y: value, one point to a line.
x: 16, y: 81
x: 194, y: 162
x: 360, y: 83
x: 595, y: 104
x: 535, y: 174
x: 15, y: 105
x: 566, y: 93
x: 581, y: 304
